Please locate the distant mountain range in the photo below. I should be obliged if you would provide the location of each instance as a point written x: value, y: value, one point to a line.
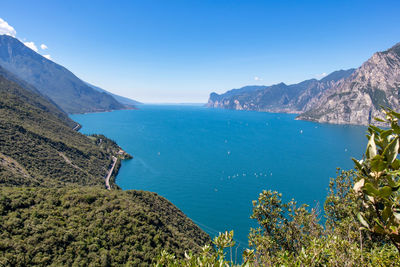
x: 121, y: 99
x: 294, y: 98
x: 351, y: 96
x: 53, y: 80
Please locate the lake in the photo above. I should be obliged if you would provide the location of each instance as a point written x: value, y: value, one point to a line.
x: 211, y: 163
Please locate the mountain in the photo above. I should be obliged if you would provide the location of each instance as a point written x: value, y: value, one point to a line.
x: 54, y: 208
x: 38, y: 145
x: 357, y: 99
x: 53, y: 80
x: 280, y: 97
x: 120, y: 99
x: 43, y: 101
x: 352, y: 96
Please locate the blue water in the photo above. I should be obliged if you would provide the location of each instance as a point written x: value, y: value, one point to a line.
x: 212, y: 163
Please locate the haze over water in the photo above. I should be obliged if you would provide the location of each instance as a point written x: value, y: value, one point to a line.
x: 212, y: 163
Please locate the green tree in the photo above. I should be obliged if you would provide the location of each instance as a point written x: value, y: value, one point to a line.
x: 209, y: 256
x: 378, y: 180
x: 283, y: 226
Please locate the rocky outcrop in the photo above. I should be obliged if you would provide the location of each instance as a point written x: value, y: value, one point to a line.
x: 358, y: 98
x: 295, y: 98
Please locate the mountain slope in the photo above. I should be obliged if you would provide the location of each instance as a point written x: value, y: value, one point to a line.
x: 293, y: 98
x: 37, y: 99
x: 89, y: 226
x: 357, y: 99
x: 38, y: 145
x: 53, y: 80
x: 121, y: 99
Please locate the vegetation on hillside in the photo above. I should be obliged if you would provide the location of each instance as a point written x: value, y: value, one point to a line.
x: 90, y: 226
x: 362, y: 218
x: 32, y: 95
x: 38, y: 146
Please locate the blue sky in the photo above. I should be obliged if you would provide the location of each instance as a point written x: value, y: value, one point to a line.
x: 180, y: 51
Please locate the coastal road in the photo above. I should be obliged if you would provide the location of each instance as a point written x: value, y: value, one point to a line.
x: 110, y: 172
x: 76, y: 128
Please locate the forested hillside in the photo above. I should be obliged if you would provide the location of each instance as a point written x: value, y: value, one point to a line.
x: 33, y: 96
x: 38, y: 145
x: 84, y: 226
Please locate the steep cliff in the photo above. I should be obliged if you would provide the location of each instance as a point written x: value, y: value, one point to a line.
x: 357, y: 99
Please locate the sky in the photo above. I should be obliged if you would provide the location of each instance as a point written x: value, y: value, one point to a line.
x: 179, y: 51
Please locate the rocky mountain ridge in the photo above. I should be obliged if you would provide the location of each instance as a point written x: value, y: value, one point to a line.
x: 358, y: 98
x: 294, y: 98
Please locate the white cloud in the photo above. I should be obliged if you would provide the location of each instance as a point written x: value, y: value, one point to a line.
x: 322, y: 75
x: 32, y: 46
x: 256, y: 78
x: 5, y: 28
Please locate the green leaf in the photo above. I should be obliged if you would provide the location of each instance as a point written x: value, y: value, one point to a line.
x: 362, y: 220
x: 395, y: 186
x: 378, y: 119
x: 386, y: 133
x: 369, y: 189
x: 394, y: 113
x: 392, y: 150
x: 395, y: 127
x: 378, y: 223
x: 374, y: 129
x: 358, y: 164
x: 378, y: 164
x: 386, y: 213
x: 385, y: 192
x: 396, y: 164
